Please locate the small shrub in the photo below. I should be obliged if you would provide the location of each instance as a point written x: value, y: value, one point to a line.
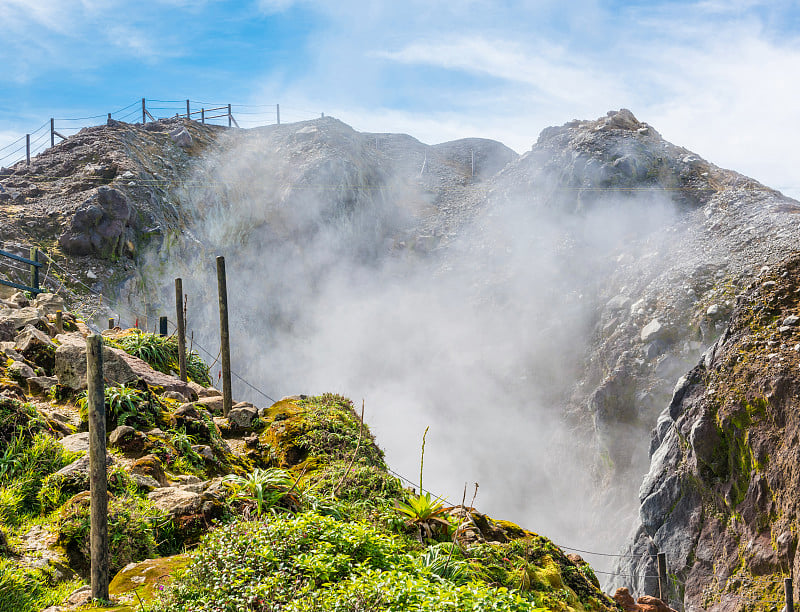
x: 125, y: 406
x: 133, y: 527
x: 18, y: 419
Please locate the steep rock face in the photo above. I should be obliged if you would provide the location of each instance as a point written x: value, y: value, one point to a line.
x: 720, y: 497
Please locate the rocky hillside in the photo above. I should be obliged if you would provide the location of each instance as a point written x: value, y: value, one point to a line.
x: 720, y: 497
x: 286, y: 507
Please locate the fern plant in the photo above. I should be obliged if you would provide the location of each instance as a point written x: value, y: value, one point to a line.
x: 124, y: 405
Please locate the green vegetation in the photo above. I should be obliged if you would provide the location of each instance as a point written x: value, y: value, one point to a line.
x: 266, y: 488
x: 135, y: 527
x: 161, y: 353
x: 29, y: 590
x: 126, y: 406
x: 311, y: 562
x: 310, y: 521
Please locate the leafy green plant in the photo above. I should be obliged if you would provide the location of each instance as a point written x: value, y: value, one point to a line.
x: 161, y: 353
x: 125, y: 405
x: 425, y: 513
x: 9, y: 459
x: 263, y: 487
x: 19, y: 419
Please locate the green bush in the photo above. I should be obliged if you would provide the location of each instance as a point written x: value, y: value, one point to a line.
x: 125, y: 406
x: 312, y: 562
x: 18, y: 419
x: 134, y: 526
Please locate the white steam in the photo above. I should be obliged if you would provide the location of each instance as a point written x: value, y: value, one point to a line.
x: 483, y: 339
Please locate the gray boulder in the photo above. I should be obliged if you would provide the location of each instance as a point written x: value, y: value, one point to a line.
x: 118, y: 367
x: 99, y: 225
x: 36, y: 346
x: 49, y: 303
x: 127, y: 439
x: 175, y: 501
x: 76, y: 442
x: 181, y: 137
x: 242, y: 415
x: 654, y: 330
x: 17, y: 318
x: 41, y: 385
x: 19, y: 370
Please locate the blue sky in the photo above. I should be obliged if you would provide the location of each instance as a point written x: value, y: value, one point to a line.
x: 720, y: 78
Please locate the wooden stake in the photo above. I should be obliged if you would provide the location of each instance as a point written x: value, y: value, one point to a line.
x: 789, y: 592
x: 662, y: 577
x: 224, y: 337
x: 35, y: 269
x: 144, y: 113
x: 278, y: 111
x: 53, y: 132
x: 110, y: 322
x: 28, y: 149
x: 188, y: 111
x: 59, y: 322
x: 202, y: 115
x: 162, y: 326
x: 230, y: 116
x: 98, y: 483
x: 181, y: 328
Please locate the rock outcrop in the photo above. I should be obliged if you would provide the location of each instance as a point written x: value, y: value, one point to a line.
x: 720, y: 496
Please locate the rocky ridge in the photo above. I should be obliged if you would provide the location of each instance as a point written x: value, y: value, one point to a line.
x: 719, y: 496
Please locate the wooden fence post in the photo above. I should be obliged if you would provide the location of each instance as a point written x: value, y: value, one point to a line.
x: 35, y: 269
x: 59, y: 322
x: 278, y: 111
x: 789, y: 592
x: 52, y: 132
x: 28, y: 149
x: 144, y: 113
x: 98, y: 483
x: 662, y: 577
x: 224, y: 336
x: 230, y: 116
x: 202, y: 115
x: 188, y: 112
x: 162, y: 326
x: 181, y: 328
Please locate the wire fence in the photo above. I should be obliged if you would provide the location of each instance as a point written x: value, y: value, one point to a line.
x: 144, y: 110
